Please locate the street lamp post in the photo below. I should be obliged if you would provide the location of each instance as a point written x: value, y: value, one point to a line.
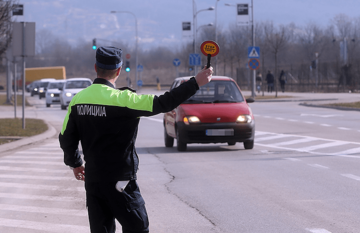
x: 137, y: 41
x: 195, y: 26
x: 216, y: 33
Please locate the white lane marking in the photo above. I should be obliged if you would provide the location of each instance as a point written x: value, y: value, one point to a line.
x: 271, y: 137
x: 317, y: 115
x: 46, y: 210
x: 258, y: 133
x: 351, y: 176
x: 350, y: 151
x: 294, y: 141
x: 318, y: 166
x: 46, y: 148
x: 29, y: 162
x: 326, y: 125
x: 293, y: 120
x: 325, y: 145
x: 44, y: 177
x: 39, y: 152
x: 343, y: 128
x: 40, y: 197
x: 293, y: 159
x: 267, y: 116
x: 317, y: 230
x: 279, y: 118
x: 153, y: 119
x: 41, y: 187
x: 309, y: 122
x: 43, y: 226
x: 28, y: 169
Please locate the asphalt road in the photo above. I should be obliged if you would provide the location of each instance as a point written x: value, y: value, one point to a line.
x: 301, y: 176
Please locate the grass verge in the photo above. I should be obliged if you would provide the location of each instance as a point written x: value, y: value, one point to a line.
x: 12, y: 128
x: 348, y: 105
x: 18, y: 103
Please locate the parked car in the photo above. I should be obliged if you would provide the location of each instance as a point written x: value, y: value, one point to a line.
x: 70, y: 88
x: 217, y: 113
x: 53, y: 92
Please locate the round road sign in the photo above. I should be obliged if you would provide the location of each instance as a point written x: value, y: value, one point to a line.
x: 254, y: 64
x: 210, y: 47
x: 127, y: 56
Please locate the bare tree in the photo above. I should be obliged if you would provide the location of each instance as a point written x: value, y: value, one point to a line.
x: 277, y: 39
x: 6, y: 8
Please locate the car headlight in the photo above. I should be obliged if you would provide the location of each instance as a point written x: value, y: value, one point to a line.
x: 244, y: 119
x: 68, y: 94
x: 191, y: 119
x: 52, y: 94
x: 35, y: 89
x: 41, y: 91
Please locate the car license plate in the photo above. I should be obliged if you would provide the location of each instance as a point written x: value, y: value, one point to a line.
x: 220, y: 132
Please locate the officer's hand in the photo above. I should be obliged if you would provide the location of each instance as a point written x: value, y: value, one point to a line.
x: 204, y: 76
x: 79, y: 173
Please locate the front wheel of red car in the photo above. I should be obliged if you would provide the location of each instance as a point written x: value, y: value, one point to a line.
x: 249, y: 145
x: 181, y: 146
x: 169, y: 141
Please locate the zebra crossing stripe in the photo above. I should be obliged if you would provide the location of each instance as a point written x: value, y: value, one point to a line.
x: 43, y: 226
x: 33, y: 157
x: 45, y: 177
x: 349, y: 152
x: 294, y: 142
x: 39, y: 152
x: 30, y: 162
x: 271, y: 137
x: 325, y: 145
x: 41, y: 197
x: 31, y: 169
x: 45, y: 210
x: 41, y: 187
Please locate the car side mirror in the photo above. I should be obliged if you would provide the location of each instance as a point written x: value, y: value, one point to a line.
x: 250, y: 100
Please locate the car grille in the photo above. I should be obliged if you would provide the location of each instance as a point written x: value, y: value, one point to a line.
x: 56, y: 95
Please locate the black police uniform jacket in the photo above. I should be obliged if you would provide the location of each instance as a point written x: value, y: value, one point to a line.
x: 105, y: 120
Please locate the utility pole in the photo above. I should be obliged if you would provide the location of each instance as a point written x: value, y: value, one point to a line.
x: 253, y: 45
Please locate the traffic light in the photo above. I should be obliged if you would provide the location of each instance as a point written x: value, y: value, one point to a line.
x: 94, y: 44
x: 127, y: 66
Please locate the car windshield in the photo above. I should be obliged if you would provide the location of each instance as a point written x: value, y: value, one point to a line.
x: 77, y: 84
x: 217, y: 91
x: 44, y: 84
x: 55, y: 85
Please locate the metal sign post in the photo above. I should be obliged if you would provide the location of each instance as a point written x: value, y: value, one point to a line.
x: 23, y: 45
x: 176, y: 63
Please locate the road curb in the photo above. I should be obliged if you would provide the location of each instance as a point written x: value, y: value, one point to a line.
x: 29, y: 140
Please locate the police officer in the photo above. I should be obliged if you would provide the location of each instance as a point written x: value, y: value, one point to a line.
x: 106, y: 120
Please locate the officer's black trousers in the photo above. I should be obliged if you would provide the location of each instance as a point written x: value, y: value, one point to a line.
x: 105, y: 204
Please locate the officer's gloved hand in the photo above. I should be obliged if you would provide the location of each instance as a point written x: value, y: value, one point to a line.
x: 204, y: 76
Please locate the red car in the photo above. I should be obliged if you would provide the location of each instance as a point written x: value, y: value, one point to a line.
x: 217, y: 113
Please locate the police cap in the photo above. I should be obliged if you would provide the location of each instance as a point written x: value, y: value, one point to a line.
x: 108, y: 57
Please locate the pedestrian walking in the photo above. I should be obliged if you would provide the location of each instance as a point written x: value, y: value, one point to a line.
x: 270, y: 81
x: 282, y: 80
x: 258, y: 82
x: 105, y: 120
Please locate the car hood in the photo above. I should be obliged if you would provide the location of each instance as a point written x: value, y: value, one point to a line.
x: 208, y: 113
x: 73, y: 90
x: 55, y: 91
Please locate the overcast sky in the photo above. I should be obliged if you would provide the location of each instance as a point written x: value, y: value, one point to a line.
x: 159, y: 21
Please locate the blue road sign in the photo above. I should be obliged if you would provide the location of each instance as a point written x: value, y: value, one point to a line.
x: 139, y: 83
x: 253, y: 52
x: 254, y: 64
x: 140, y: 68
x: 194, y: 59
x: 176, y: 62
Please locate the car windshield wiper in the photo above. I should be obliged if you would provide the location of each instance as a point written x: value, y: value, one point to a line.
x: 225, y: 101
x: 196, y: 101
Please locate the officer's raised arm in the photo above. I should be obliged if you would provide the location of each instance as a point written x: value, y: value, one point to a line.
x: 204, y: 76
